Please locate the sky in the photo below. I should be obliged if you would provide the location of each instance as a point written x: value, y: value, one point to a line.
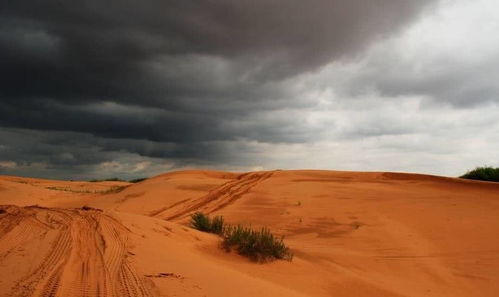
x: 97, y: 89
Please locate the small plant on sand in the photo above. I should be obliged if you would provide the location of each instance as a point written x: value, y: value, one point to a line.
x: 202, y: 222
x: 483, y: 173
x: 261, y: 245
x: 107, y: 179
x: 89, y: 208
x: 115, y: 179
x: 217, y: 225
x: 137, y: 180
x: 68, y: 189
x: 114, y: 189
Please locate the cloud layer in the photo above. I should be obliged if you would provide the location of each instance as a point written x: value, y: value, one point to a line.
x: 101, y: 88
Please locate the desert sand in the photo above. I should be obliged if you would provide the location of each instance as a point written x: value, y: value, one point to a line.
x: 353, y: 234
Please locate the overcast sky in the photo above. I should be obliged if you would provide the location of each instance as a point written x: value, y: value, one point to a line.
x: 95, y: 89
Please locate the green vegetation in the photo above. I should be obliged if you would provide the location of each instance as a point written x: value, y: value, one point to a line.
x: 115, y: 179
x: 67, y: 189
x: 202, y: 222
x: 137, y: 180
x: 88, y: 208
x: 261, y: 245
x: 113, y: 189
x: 107, y: 179
x: 483, y: 173
x: 21, y: 181
x: 218, y: 225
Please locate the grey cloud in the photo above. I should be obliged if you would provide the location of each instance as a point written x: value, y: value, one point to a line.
x: 456, y: 84
x: 448, y: 57
x: 184, y: 81
x: 75, y: 148
x: 69, y: 155
x: 100, y: 49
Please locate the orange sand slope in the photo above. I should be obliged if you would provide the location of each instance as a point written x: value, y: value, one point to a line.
x: 352, y: 233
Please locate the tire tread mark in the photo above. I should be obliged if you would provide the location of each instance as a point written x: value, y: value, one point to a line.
x: 87, y: 254
x: 220, y: 197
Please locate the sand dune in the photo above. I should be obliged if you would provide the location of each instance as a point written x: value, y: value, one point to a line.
x: 352, y: 233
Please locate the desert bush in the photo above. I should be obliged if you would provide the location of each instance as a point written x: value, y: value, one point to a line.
x: 217, y: 225
x: 201, y: 222
x: 107, y: 179
x: 483, y: 173
x: 137, y: 180
x: 114, y: 189
x: 89, y: 208
x: 261, y: 246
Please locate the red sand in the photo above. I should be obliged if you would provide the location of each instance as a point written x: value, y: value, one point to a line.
x: 352, y: 233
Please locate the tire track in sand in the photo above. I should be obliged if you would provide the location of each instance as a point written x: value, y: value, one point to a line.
x: 75, y: 253
x: 217, y: 198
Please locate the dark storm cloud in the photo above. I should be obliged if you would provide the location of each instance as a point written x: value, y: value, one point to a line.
x: 171, y: 79
x: 95, y: 50
x: 74, y: 155
x: 58, y: 57
x: 291, y: 35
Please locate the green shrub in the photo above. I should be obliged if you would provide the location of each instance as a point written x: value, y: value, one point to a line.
x: 201, y: 222
x: 259, y: 245
x: 88, y: 208
x: 137, y: 180
x: 114, y: 189
x: 483, y: 173
x: 107, y: 179
x: 217, y: 225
